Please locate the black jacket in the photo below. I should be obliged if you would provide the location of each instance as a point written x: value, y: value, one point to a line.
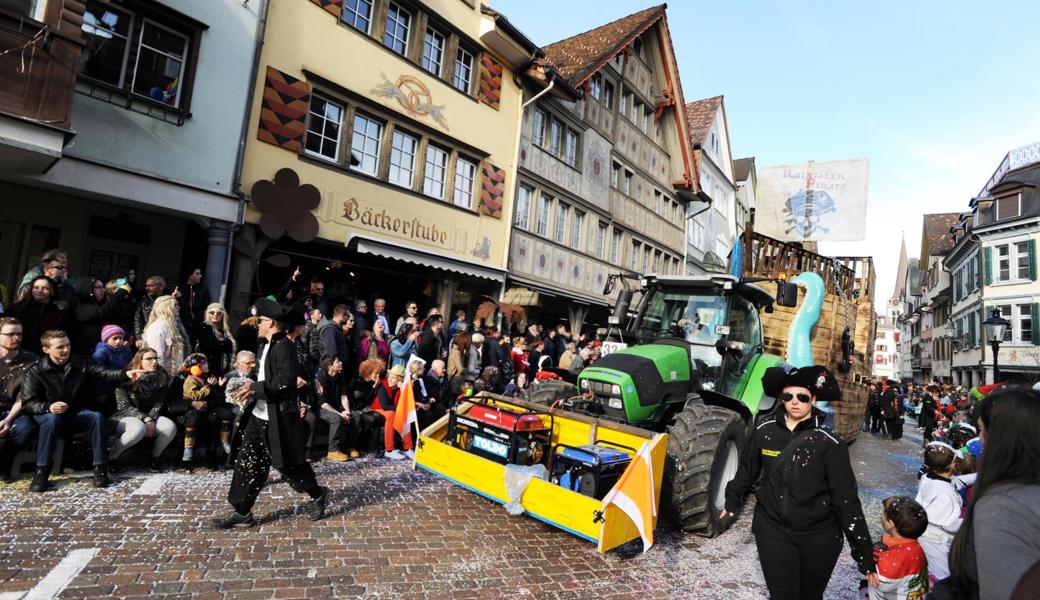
x: 431, y: 347
x: 285, y: 427
x: 813, y: 489
x: 12, y: 374
x: 220, y: 354
x: 148, y: 397
x: 142, y: 311
x: 73, y: 383
x: 332, y: 388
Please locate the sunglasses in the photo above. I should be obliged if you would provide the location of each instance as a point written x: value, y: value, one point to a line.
x: 215, y: 312
x: 804, y: 398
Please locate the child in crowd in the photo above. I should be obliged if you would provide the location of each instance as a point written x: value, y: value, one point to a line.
x: 902, y: 568
x: 937, y: 494
x: 201, y: 391
x: 112, y: 352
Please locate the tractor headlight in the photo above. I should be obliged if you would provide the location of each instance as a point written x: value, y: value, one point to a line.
x: 616, y: 390
x: 584, y: 384
x: 615, y: 403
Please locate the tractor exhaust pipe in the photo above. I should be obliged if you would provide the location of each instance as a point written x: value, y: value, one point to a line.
x: 620, y: 314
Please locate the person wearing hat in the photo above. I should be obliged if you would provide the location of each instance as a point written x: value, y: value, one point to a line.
x: 807, y: 493
x: 385, y: 403
x: 268, y: 432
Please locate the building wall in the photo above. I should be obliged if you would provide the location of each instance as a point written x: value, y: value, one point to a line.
x: 300, y: 35
x: 201, y: 152
x: 1018, y: 298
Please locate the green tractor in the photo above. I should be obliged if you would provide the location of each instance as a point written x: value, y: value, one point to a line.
x: 689, y: 362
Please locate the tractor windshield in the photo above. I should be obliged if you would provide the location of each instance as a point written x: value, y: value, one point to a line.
x: 683, y: 315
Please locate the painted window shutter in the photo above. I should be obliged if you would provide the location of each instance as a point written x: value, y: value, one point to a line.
x: 490, y: 91
x: 283, y: 114
x: 1034, y: 322
x: 1032, y: 259
x: 987, y: 267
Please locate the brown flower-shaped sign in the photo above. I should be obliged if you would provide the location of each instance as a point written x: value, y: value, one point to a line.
x: 287, y: 206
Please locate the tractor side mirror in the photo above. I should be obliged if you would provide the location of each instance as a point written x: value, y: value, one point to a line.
x: 787, y: 294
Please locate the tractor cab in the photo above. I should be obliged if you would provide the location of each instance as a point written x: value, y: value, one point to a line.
x: 714, y: 317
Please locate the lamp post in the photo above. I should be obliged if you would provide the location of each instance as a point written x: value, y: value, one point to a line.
x: 995, y: 326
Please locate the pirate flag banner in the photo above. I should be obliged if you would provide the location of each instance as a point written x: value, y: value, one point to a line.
x: 818, y: 201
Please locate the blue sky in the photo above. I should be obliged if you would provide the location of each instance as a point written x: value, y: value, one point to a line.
x: 933, y: 93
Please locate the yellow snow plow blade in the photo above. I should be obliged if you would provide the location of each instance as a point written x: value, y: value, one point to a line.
x: 594, y: 520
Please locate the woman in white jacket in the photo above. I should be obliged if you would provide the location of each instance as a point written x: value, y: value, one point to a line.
x: 164, y: 334
x: 940, y: 499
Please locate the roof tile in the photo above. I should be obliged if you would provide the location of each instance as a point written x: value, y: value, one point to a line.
x: 699, y: 117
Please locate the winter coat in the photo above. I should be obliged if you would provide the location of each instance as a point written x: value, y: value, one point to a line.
x: 142, y: 311
x: 401, y: 350
x: 943, y: 505
x: 12, y: 375
x: 333, y: 340
x: 1005, y: 539
x: 430, y: 346
x: 37, y: 318
x: 112, y: 358
x: 565, y: 359
x: 472, y: 371
x: 246, y: 335
x: 813, y: 490
x: 145, y: 398
x: 361, y: 393
x: 456, y: 363
x: 46, y: 383
x: 385, y: 397
x: 159, y: 336
x: 375, y: 348
x: 285, y: 438
x: 196, y: 390
x: 220, y: 353
x: 194, y: 300
x: 90, y: 316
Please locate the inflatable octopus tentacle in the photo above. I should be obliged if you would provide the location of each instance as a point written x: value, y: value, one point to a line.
x: 799, y: 340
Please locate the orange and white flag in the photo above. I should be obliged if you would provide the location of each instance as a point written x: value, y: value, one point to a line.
x: 634, y: 495
x: 404, y: 412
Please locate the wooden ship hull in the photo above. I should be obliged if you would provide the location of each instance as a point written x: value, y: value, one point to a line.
x: 848, y: 302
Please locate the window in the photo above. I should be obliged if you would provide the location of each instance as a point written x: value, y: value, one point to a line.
x: 144, y: 54
x: 695, y: 234
x: 542, y: 222
x: 398, y: 20
x: 615, y: 246
x: 721, y: 201
x: 364, y: 144
x: 555, y: 136
x: 626, y: 98
x: 615, y: 170
x: 657, y: 201
x: 634, y: 258
x: 608, y: 95
x: 637, y: 112
x: 463, y: 70
x: 323, y: 128
x: 1024, y: 318
x: 433, y: 51
x: 1012, y: 262
x: 538, y: 132
x: 596, y: 86
x: 358, y: 14
x: 402, y: 159
x: 646, y: 258
x: 465, y: 175
x: 561, y: 223
x: 637, y: 47
x: 646, y: 121
x: 435, y: 173
x: 570, y: 155
x: 523, y: 207
x: 601, y: 239
x: 577, y: 224
x: 1009, y: 207
x: 714, y: 143
x: 1022, y: 249
x: 628, y: 183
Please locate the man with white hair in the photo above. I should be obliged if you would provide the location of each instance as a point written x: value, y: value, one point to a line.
x: 243, y: 367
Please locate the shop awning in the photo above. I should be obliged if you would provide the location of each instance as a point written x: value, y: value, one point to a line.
x: 428, y: 260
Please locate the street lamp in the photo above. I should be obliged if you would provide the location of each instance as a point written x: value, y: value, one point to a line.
x: 995, y: 326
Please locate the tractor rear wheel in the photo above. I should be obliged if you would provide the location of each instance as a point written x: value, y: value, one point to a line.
x: 704, y: 447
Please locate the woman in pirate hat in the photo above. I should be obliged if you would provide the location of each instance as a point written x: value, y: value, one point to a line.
x: 807, y: 493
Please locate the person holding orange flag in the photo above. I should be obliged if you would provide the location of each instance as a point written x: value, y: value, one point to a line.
x: 385, y: 402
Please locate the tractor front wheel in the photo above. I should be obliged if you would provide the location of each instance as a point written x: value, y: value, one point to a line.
x: 704, y: 447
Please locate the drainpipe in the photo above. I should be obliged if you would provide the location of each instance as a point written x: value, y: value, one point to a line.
x: 236, y: 184
x: 552, y: 82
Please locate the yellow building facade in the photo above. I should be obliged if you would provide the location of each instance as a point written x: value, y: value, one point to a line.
x: 384, y: 136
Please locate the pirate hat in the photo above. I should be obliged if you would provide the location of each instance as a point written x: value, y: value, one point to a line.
x: 816, y: 379
x: 266, y: 307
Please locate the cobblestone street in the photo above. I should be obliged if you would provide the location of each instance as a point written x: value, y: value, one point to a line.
x: 391, y: 532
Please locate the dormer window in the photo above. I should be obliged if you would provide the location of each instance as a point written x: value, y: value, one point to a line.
x: 1009, y: 207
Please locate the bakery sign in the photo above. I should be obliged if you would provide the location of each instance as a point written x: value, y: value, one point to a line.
x: 389, y: 223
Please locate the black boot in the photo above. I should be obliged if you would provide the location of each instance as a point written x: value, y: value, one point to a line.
x: 233, y: 519
x: 40, y: 480
x: 101, y: 476
x: 156, y: 465
x: 316, y: 509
